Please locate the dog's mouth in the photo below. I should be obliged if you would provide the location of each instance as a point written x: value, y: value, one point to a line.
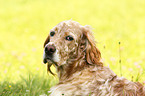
x: 49, y: 61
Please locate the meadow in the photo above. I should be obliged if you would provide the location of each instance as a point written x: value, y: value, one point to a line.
x: 24, y: 25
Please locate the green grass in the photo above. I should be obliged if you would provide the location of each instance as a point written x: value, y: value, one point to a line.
x: 24, y: 25
x: 32, y: 86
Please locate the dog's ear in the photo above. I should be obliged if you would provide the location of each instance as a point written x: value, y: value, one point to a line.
x: 46, y: 41
x: 93, y: 55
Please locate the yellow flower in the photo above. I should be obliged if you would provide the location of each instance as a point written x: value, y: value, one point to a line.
x: 10, y: 86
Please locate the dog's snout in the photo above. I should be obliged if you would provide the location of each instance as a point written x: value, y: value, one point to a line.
x: 49, y: 50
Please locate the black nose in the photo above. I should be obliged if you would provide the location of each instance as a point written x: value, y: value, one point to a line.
x: 49, y: 50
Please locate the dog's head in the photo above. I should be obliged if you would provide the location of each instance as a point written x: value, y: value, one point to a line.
x: 68, y: 43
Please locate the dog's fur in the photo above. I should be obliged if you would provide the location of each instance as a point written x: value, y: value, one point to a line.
x: 79, y: 66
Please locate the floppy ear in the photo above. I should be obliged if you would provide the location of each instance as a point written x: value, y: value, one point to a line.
x: 93, y: 55
x: 48, y: 65
x: 46, y: 41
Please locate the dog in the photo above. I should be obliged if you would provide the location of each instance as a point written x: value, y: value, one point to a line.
x: 71, y: 48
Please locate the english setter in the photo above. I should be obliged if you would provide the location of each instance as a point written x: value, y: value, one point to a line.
x: 71, y: 48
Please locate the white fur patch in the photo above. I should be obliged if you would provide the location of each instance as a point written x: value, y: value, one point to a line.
x: 56, y: 57
x: 55, y: 91
x: 44, y: 55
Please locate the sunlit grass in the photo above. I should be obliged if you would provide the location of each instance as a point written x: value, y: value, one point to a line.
x: 34, y: 85
x: 24, y: 25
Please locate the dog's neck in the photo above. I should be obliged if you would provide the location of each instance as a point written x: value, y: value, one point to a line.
x: 66, y: 71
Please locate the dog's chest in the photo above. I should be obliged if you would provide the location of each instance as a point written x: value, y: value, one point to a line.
x: 78, y: 87
x: 84, y: 83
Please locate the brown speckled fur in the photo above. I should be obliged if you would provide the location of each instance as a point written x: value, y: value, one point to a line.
x: 80, y: 70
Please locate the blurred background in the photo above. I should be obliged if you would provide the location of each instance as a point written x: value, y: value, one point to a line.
x: 25, y: 24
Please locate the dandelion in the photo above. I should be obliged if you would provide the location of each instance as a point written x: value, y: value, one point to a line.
x: 10, y: 86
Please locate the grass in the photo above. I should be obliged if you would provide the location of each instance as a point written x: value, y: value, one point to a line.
x: 24, y: 25
x: 33, y: 86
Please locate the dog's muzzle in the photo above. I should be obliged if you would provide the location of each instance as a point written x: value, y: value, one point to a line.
x: 48, y: 53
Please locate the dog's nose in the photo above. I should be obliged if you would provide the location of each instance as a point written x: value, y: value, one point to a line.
x: 49, y: 50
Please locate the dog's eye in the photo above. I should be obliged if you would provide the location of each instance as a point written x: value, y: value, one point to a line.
x: 52, y: 33
x: 69, y: 38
